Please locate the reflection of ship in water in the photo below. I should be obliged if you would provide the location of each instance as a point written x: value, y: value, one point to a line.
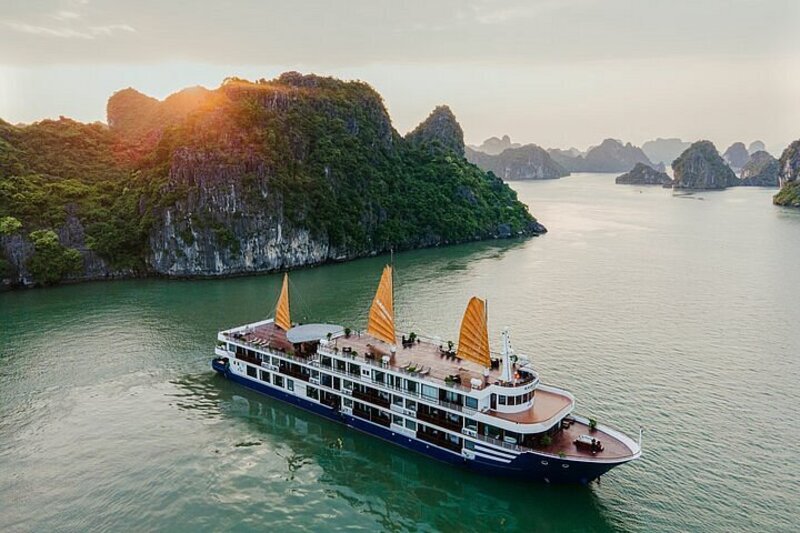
x: 401, y: 490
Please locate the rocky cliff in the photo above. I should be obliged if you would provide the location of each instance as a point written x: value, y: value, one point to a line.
x: 701, y: 167
x: 249, y: 177
x: 528, y: 162
x: 440, y: 129
x: 756, y: 146
x: 789, y: 175
x: 760, y: 171
x: 736, y: 155
x: 644, y: 175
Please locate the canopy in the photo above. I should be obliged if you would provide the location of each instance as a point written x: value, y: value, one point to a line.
x: 381, y: 314
x: 473, y: 341
x: 312, y: 332
x: 282, y: 318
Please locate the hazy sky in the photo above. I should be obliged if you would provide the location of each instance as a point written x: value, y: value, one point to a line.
x: 555, y: 72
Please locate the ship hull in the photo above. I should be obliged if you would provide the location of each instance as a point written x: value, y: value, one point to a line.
x: 527, y: 466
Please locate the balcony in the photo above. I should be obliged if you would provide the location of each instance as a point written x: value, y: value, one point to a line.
x: 373, y: 415
x: 439, y: 420
x: 371, y: 398
x: 293, y: 373
x: 439, y: 440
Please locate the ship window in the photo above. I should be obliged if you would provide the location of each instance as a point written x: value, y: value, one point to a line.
x: 347, y: 384
x: 472, y: 403
x: 380, y: 377
x: 501, y: 400
x: 325, y: 361
x: 430, y: 392
x: 397, y: 400
x: 410, y: 424
x: 491, y: 431
x: 251, y: 371
x: 454, y: 439
x: 265, y: 376
x: 411, y: 404
x: 312, y: 392
x: 341, y: 366
x: 468, y: 444
x: 471, y: 424
x: 348, y: 403
x: 354, y: 369
x: 397, y: 420
x: 327, y: 380
x: 411, y: 386
x: 278, y: 380
x: 290, y: 384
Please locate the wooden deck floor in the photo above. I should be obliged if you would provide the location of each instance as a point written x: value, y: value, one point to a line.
x: 546, y: 405
x: 564, y: 442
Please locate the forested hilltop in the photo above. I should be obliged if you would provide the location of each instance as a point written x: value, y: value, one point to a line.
x: 249, y: 177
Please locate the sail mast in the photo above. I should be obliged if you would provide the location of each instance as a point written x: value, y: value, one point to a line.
x: 282, y: 316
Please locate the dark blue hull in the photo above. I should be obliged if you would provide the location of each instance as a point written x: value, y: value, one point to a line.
x: 525, y: 466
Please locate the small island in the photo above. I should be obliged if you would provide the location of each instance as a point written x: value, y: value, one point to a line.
x: 700, y: 167
x: 644, y: 175
x: 789, y: 174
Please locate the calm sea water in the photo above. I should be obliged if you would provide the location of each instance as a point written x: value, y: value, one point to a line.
x: 678, y: 314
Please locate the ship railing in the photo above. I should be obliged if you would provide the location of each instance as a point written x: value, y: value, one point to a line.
x: 502, y: 443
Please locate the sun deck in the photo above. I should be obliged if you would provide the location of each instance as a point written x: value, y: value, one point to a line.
x: 546, y: 405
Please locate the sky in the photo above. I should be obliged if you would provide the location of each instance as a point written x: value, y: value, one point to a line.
x: 558, y: 73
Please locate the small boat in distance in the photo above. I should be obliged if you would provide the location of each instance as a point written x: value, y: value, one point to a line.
x: 460, y: 404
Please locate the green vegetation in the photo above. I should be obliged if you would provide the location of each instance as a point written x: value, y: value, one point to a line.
x: 324, y: 150
x: 789, y: 195
x: 52, y: 262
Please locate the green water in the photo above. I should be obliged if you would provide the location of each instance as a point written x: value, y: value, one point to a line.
x: 677, y: 314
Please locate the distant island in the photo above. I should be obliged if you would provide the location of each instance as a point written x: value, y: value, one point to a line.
x: 701, y: 167
x: 610, y: 155
x: 529, y: 162
x: 644, y: 175
x: 249, y: 177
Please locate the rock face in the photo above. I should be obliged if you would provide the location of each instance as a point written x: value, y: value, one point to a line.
x: 610, y: 156
x: 756, y: 146
x: 249, y: 177
x: 442, y: 128
x: 528, y: 162
x: 736, y: 155
x: 495, y: 146
x: 643, y: 175
x: 760, y: 171
x: 664, y: 150
x: 701, y: 167
x: 789, y: 175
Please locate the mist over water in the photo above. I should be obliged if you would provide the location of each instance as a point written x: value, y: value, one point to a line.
x: 677, y: 314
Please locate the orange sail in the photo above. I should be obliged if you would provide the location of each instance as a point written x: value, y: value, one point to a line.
x: 473, y: 341
x: 282, y: 318
x: 381, y: 314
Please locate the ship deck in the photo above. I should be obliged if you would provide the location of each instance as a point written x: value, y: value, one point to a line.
x: 564, y: 443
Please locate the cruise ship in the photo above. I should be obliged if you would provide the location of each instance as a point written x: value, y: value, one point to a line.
x: 458, y: 403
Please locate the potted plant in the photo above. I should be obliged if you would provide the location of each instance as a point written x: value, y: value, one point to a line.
x: 450, y: 346
x: 592, y: 424
x: 347, y: 332
x: 412, y: 337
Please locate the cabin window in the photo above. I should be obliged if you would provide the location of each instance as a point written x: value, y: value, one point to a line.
x: 278, y: 380
x: 411, y: 386
x: 341, y: 366
x: 452, y: 438
x: 251, y: 371
x: 397, y: 400
x: 491, y: 431
x: 325, y: 361
x: 265, y: 376
x: 397, y: 420
x: 471, y: 424
x: 410, y: 424
x: 430, y: 392
x: 312, y: 392
x: 472, y: 403
x: 290, y: 384
x: 411, y: 404
x: 327, y: 380
x: 348, y: 403
x: 380, y: 377
x: 231, y: 348
x: 468, y: 444
x: 502, y: 400
x: 355, y: 369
